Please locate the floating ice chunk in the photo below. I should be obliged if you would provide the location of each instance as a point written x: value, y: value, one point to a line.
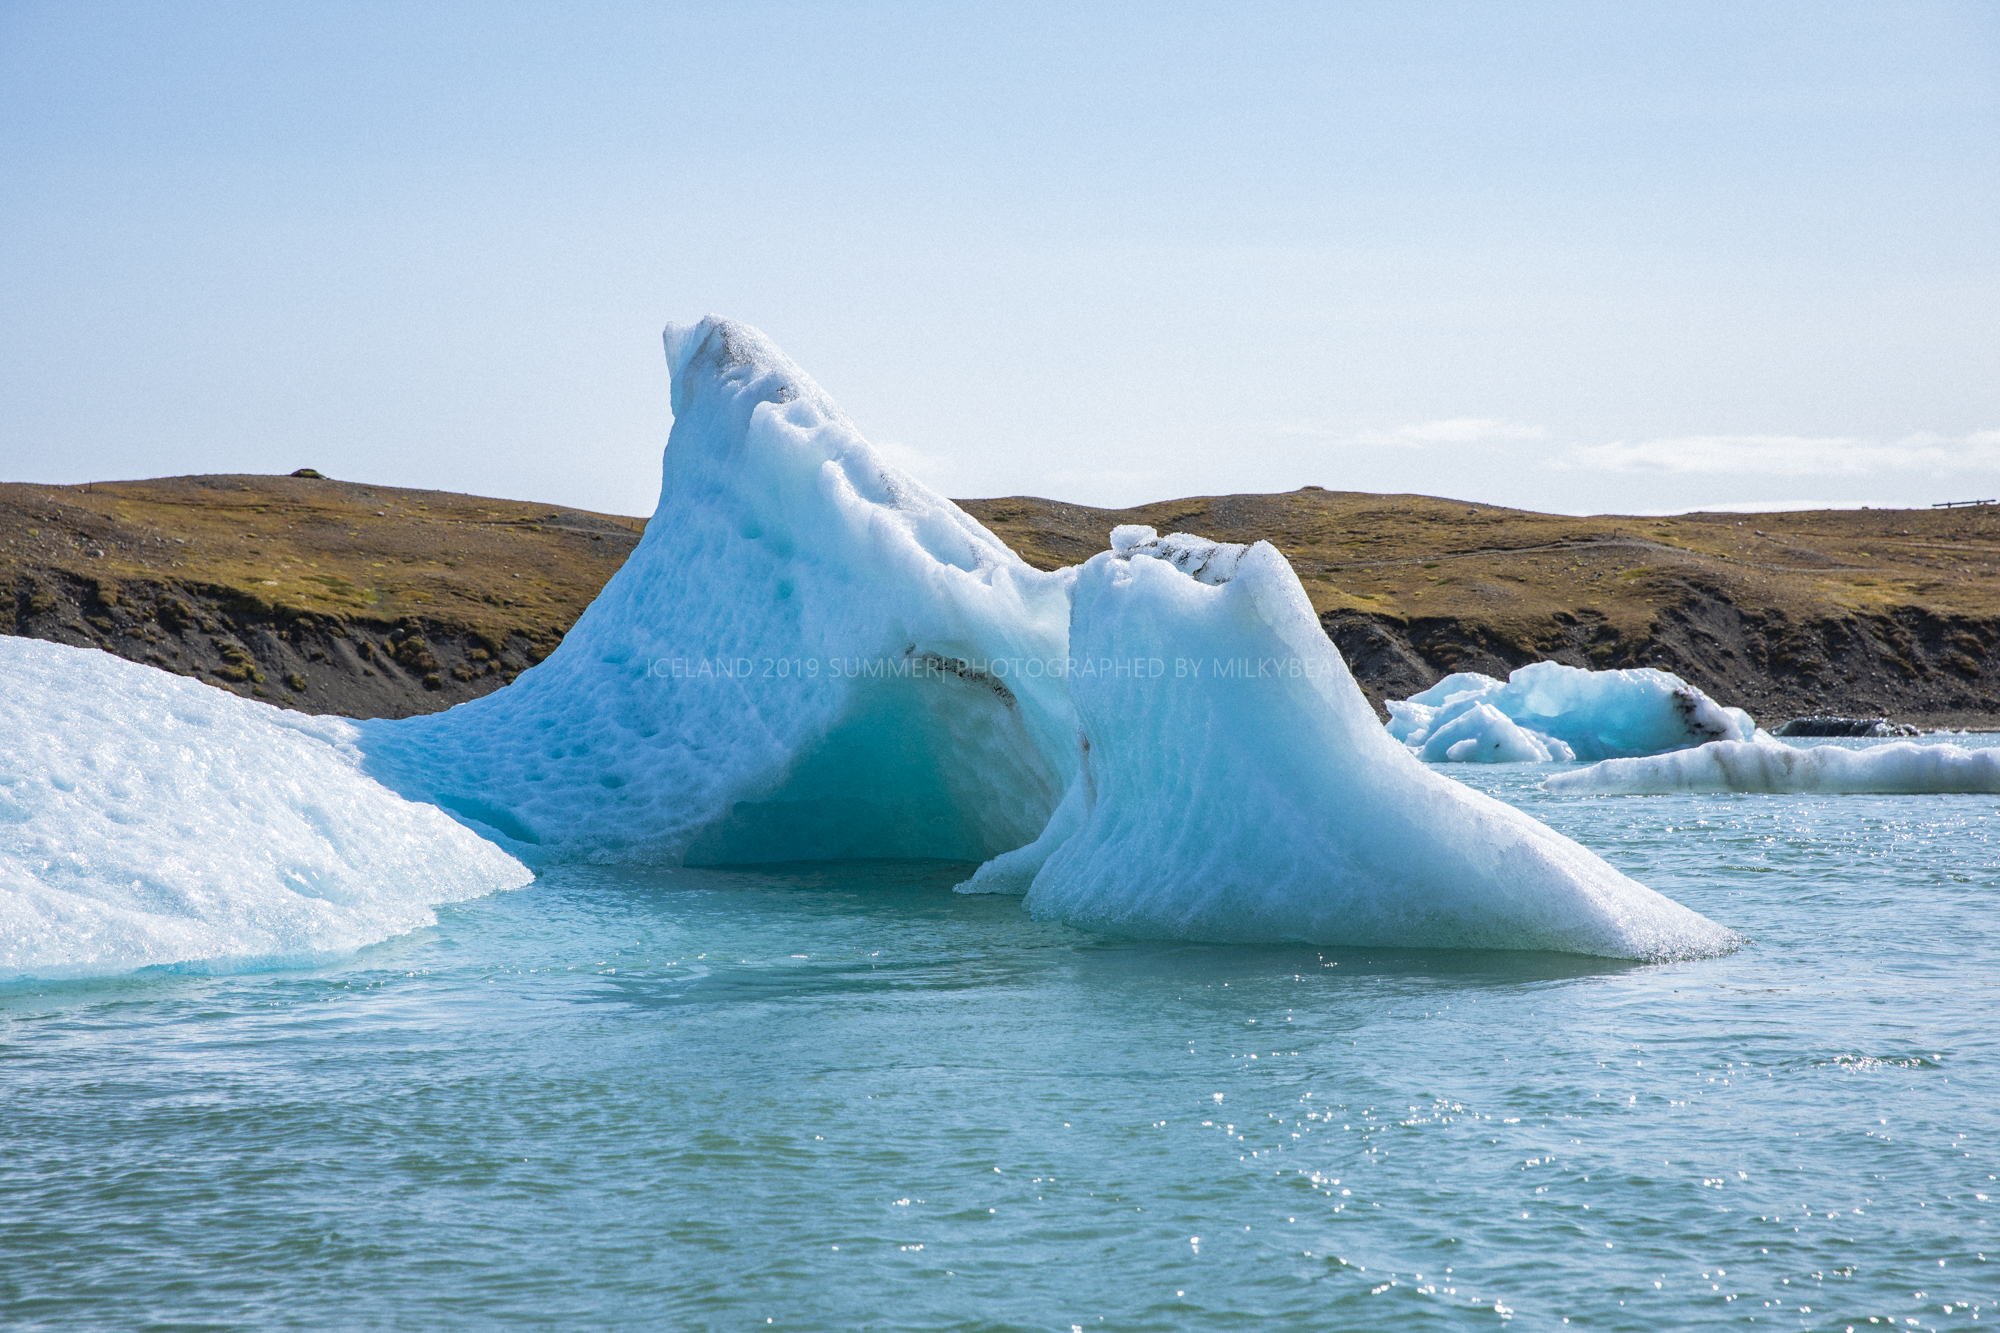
x: 1824, y: 770
x: 1845, y: 726
x: 808, y: 656
x: 150, y: 820
x: 1593, y: 714
x: 1483, y: 734
x: 1236, y: 786
x: 1410, y: 719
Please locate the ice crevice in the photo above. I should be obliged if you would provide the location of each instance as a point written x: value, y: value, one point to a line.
x: 812, y: 656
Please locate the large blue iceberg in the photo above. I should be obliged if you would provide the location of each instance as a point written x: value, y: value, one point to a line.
x: 812, y: 656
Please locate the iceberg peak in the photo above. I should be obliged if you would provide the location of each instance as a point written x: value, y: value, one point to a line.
x: 719, y: 351
x: 797, y: 662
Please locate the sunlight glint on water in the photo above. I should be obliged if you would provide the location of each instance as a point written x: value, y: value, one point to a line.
x: 836, y: 1097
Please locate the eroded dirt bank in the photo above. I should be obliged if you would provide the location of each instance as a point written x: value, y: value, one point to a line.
x: 1890, y: 612
x: 373, y: 601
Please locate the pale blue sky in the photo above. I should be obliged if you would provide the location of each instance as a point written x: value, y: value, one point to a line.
x: 1565, y: 256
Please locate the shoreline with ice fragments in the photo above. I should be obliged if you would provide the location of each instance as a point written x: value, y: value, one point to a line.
x: 1901, y: 769
x: 1547, y: 712
x: 147, y: 820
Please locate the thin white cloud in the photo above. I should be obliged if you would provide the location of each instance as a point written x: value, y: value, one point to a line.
x: 1423, y: 434
x: 1792, y: 455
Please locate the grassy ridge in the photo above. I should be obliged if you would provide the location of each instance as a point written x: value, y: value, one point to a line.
x: 1891, y: 612
x: 335, y: 596
x: 323, y: 595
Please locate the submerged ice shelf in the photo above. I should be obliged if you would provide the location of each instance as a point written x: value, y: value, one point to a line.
x: 812, y: 656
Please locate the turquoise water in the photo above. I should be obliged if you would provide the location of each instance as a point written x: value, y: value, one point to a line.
x: 842, y: 1097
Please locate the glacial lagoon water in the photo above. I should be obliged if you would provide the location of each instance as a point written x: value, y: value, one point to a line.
x: 844, y: 1097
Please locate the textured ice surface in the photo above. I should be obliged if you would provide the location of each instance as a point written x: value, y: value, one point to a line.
x: 147, y: 819
x: 808, y: 656
x: 1235, y: 785
x: 1768, y: 766
x: 1547, y: 711
x: 1482, y: 734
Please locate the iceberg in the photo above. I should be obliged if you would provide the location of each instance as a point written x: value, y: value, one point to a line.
x: 811, y: 656
x: 149, y: 820
x: 1234, y: 785
x: 1547, y: 711
x: 1482, y: 734
x: 1904, y: 768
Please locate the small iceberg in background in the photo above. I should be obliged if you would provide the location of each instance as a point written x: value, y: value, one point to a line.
x: 1546, y: 711
x: 1904, y: 768
x: 150, y: 820
x: 811, y: 656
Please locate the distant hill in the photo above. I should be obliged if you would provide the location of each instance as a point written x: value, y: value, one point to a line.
x: 1875, y: 612
x: 374, y: 601
x: 325, y: 596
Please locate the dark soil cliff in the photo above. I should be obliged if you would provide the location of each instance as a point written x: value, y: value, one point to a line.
x: 329, y: 596
x: 1888, y: 612
x: 325, y: 596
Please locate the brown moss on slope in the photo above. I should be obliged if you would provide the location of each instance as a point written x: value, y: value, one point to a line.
x: 1892, y: 612
x: 332, y: 596
x: 322, y: 595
